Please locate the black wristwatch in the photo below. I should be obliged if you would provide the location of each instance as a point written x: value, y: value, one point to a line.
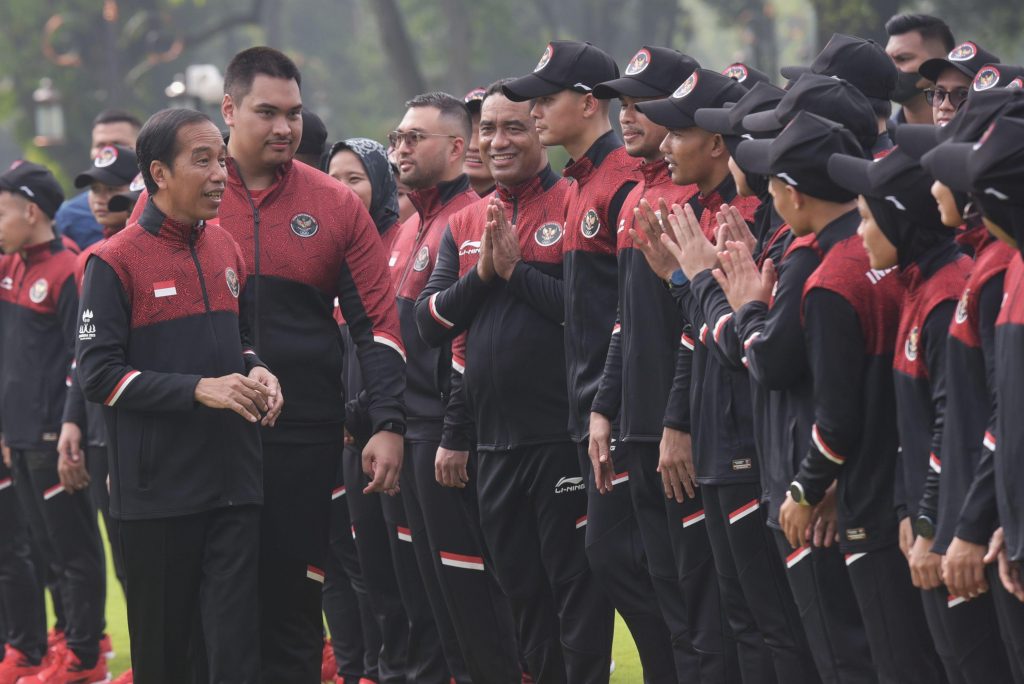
x: 796, y: 492
x: 924, y: 527
x: 392, y: 426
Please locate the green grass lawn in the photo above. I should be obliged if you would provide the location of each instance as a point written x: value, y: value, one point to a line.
x: 627, y: 664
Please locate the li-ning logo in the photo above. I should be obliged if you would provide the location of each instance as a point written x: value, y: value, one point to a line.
x: 569, y: 484
x: 469, y: 247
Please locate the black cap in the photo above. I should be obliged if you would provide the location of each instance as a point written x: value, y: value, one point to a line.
x: 704, y: 88
x: 564, y: 65
x: 947, y: 163
x: 967, y: 58
x: 826, y: 96
x: 35, y: 183
x: 861, y: 62
x: 992, y: 76
x: 896, y: 178
x: 799, y: 156
x: 114, y: 166
x: 974, y: 117
x: 728, y: 120
x: 126, y: 200
x: 474, y: 99
x: 314, y: 134
x: 996, y: 164
x: 745, y: 75
x: 653, y: 72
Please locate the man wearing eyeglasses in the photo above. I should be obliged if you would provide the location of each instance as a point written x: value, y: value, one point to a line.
x: 473, y: 620
x: 952, y: 77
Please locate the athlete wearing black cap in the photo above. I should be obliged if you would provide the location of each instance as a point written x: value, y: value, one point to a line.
x: 755, y: 596
x: 474, y: 167
x: 849, y: 316
x: 642, y: 357
x: 768, y: 324
x: 567, y: 112
x: 951, y: 78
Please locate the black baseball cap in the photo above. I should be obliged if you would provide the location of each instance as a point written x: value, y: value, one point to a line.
x: 968, y: 58
x: 947, y: 163
x: 826, y: 96
x: 995, y: 166
x: 126, y: 200
x: 974, y: 117
x: 728, y: 119
x: 799, y: 155
x: 993, y: 76
x: 314, y: 134
x: 703, y: 88
x: 474, y: 99
x: 114, y: 165
x: 652, y: 72
x: 861, y: 62
x: 743, y: 73
x: 896, y: 178
x: 564, y: 65
x: 35, y: 183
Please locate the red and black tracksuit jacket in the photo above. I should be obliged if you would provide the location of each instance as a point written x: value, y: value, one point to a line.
x: 932, y: 285
x: 850, y: 317
x: 720, y: 404
x: 646, y: 346
x: 515, y: 356
x: 1009, y: 438
x: 602, y: 179
x: 307, y: 240
x: 160, y: 311
x: 967, y: 494
x: 775, y: 354
x: 412, y: 256
x: 38, y: 310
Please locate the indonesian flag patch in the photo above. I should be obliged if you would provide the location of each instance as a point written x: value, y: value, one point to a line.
x: 314, y: 573
x: 164, y: 288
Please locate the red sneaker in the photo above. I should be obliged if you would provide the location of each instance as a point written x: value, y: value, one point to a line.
x: 328, y: 666
x: 107, y: 647
x: 16, y: 665
x: 71, y: 671
x: 125, y: 678
x: 55, y: 636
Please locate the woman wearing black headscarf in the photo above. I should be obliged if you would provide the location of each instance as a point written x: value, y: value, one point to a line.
x: 362, y: 164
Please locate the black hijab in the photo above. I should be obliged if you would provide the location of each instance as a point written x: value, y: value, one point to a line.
x: 384, y: 197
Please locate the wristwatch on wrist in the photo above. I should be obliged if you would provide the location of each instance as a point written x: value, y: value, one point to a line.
x: 392, y: 426
x: 924, y: 526
x: 796, y: 492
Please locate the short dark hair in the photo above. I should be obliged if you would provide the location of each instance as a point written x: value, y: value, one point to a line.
x: 450, y: 107
x: 495, y: 88
x: 158, y: 139
x: 109, y: 116
x: 930, y: 28
x: 244, y: 67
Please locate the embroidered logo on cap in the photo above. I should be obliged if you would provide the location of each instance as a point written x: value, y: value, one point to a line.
x: 545, y: 58
x: 422, y: 259
x: 39, y: 290
x: 737, y: 72
x: 590, y: 224
x: 1016, y: 83
x: 986, y: 78
x: 963, y: 52
x: 687, y: 87
x: 639, y: 62
x: 304, y: 225
x: 548, y: 234
x: 106, y: 157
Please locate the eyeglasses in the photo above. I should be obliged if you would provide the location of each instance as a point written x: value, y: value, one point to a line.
x: 935, y: 96
x: 412, y: 138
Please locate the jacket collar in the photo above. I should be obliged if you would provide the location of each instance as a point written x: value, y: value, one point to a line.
x: 537, y: 185
x: 41, y: 252
x: 431, y: 201
x: 157, y: 223
x: 581, y: 169
x: 837, y: 231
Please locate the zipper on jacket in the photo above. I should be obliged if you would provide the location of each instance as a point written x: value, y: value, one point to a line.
x: 256, y: 260
x: 412, y: 258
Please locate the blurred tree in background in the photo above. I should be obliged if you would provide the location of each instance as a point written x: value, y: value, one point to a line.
x: 362, y: 58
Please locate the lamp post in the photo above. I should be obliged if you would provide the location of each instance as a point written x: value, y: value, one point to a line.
x: 49, y: 115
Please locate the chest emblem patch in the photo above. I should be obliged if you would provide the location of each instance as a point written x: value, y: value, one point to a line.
x: 548, y: 234
x: 37, y: 293
x: 961, y: 307
x: 304, y: 225
x: 590, y: 224
x: 232, y: 279
x: 422, y: 259
x: 910, y: 348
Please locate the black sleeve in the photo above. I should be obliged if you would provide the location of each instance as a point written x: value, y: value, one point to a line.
x: 723, y: 340
x: 74, y: 401
x: 67, y: 311
x: 615, y: 206
x: 934, y: 336
x: 102, y: 360
x: 677, y: 410
x: 458, y: 430
x: 773, y: 337
x: 608, y: 399
x: 543, y: 292
x: 979, y: 514
x: 447, y: 304
x: 245, y: 315
x: 835, y: 350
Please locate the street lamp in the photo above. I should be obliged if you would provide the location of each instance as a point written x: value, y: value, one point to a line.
x: 49, y: 115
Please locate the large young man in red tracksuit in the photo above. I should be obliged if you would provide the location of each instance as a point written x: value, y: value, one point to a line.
x: 306, y: 240
x: 567, y: 112
x: 163, y: 346
x: 755, y: 596
x: 473, y: 619
x: 849, y: 318
x: 503, y: 287
x: 767, y: 322
x: 40, y: 303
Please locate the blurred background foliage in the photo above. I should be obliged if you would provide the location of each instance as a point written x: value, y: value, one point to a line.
x: 361, y: 59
